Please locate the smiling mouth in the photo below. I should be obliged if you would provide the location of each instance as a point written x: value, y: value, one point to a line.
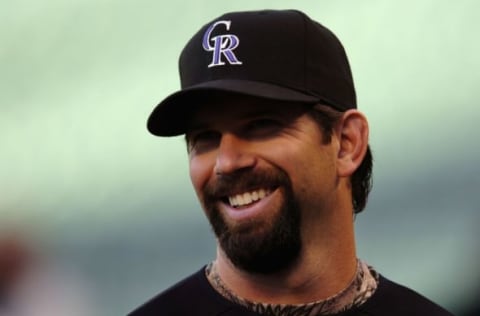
x: 247, y: 198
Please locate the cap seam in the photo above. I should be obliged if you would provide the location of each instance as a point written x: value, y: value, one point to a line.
x: 305, y: 46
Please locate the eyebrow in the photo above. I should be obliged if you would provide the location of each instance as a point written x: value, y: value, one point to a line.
x: 279, y: 111
x: 195, y: 124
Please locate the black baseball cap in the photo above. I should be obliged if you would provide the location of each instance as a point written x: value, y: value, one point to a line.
x: 275, y: 54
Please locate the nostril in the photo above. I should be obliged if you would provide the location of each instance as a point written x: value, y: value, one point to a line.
x: 233, y: 154
x: 233, y: 167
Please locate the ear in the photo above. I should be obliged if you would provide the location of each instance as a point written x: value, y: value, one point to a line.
x: 352, y: 131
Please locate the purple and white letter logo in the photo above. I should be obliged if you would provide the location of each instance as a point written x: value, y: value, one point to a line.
x: 221, y: 45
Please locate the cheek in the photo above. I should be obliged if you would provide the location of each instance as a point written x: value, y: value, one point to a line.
x: 312, y: 171
x: 200, y: 171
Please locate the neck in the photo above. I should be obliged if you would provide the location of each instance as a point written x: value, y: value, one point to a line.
x: 325, y: 266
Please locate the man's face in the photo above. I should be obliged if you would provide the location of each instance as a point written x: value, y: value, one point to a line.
x: 263, y: 175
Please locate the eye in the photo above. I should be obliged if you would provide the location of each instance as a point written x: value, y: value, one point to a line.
x: 203, y: 140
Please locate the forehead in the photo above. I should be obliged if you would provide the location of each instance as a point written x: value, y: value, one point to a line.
x: 228, y: 109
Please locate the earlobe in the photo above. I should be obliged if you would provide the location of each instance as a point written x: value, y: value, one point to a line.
x: 352, y: 132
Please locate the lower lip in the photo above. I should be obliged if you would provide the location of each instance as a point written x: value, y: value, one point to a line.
x: 252, y: 210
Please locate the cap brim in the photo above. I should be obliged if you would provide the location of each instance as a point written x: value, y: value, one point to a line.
x: 172, y: 116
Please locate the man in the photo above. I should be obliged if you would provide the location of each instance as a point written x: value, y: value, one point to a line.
x: 280, y: 162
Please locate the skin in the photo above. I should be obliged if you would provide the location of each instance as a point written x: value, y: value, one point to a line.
x: 256, y: 134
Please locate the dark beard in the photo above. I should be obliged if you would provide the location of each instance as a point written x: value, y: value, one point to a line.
x: 257, y: 247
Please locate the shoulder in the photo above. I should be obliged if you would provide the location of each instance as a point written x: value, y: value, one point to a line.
x: 191, y: 296
x: 174, y: 299
x: 394, y: 299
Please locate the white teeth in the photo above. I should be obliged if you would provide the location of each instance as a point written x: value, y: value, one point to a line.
x: 262, y: 194
x: 240, y: 200
x: 247, y: 197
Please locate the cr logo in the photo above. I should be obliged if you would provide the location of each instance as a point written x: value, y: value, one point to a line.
x: 223, y: 45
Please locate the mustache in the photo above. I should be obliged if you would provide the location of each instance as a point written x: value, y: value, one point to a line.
x: 243, y: 181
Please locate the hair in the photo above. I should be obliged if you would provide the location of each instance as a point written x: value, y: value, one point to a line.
x: 361, y: 181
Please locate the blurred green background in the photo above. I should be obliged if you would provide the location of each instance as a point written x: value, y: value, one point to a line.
x: 85, y: 181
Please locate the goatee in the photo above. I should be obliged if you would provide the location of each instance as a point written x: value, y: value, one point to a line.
x: 257, y: 246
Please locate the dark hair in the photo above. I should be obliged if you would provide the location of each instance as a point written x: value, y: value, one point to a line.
x: 361, y: 181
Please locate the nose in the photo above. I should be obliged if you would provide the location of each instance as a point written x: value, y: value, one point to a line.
x: 233, y: 154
